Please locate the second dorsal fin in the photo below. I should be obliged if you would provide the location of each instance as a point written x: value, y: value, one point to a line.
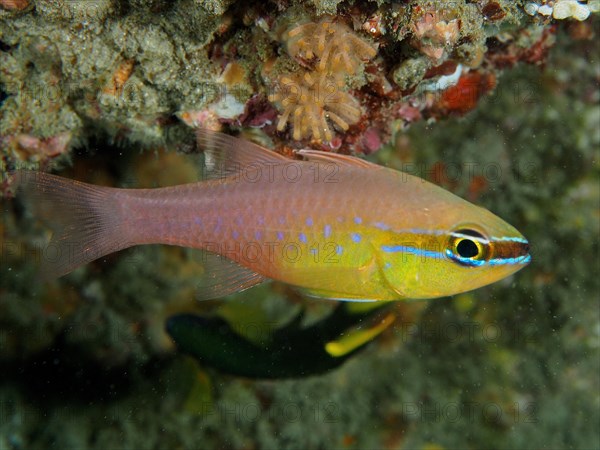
x: 336, y: 158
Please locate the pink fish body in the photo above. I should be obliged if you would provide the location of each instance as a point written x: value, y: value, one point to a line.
x: 337, y: 226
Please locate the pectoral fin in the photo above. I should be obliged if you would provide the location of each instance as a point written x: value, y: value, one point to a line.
x: 351, y: 284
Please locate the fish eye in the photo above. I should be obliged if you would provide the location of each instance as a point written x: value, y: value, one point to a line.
x: 468, y: 247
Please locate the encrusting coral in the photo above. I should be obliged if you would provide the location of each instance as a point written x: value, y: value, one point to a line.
x: 314, y: 96
x: 434, y: 32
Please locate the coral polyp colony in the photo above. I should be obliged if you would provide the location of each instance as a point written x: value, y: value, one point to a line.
x: 315, y: 97
x: 309, y: 100
x: 338, y: 49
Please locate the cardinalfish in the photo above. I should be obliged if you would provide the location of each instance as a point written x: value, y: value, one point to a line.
x: 334, y: 225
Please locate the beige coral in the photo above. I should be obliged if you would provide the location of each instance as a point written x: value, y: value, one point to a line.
x: 310, y: 100
x: 315, y: 97
x: 337, y: 48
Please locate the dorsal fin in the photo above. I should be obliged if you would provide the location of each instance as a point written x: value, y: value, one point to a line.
x: 336, y: 158
x: 226, y: 155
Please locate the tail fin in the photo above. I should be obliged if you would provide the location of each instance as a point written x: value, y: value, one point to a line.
x: 86, y: 220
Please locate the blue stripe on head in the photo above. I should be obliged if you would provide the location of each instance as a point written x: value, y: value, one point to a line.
x: 327, y: 231
x: 510, y: 239
x: 518, y: 260
x: 524, y: 259
x: 464, y: 261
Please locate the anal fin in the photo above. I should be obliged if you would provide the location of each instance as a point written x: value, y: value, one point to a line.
x: 330, y: 295
x: 224, y: 277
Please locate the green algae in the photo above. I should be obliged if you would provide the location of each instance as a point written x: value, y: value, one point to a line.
x: 410, y: 72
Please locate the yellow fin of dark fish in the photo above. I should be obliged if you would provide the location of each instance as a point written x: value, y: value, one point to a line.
x: 226, y: 155
x: 224, y: 277
x: 336, y: 158
x: 354, y: 339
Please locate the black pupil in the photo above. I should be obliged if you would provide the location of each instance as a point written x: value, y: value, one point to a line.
x: 467, y: 248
